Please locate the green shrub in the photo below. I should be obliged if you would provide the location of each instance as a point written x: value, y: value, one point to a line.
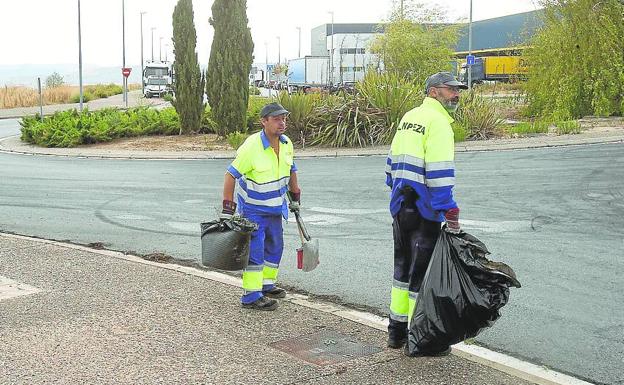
x: 478, y: 116
x: 254, y: 106
x: 459, y: 132
x: 568, y: 127
x: 71, y: 128
x: 235, y: 139
x: 168, y: 98
x: 301, y: 107
x: 208, y: 125
x: 254, y: 90
x: 526, y: 128
x: 100, y: 91
x: 86, y: 97
x: 391, y: 93
x: 349, y: 121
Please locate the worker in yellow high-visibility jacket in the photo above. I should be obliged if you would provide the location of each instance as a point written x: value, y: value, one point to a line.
x: 420, y: 170
x: 265, y: 170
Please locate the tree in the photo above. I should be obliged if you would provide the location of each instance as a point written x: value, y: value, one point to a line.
x: 54, y: 80
x: 576, y: 65
x: 416, y: 43
x: 231, y: 55
x: 189, y: 101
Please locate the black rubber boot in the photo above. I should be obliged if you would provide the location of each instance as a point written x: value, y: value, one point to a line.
x: 275, y: 292
x: 263, y: 303
x: 397, y: 334
x: 438, y: 353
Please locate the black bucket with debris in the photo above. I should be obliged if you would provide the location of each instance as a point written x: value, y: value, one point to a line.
x: 225, y: 243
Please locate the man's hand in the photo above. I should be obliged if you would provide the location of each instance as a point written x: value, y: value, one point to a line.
x: 452, y: 220
x: 229, y: 208
x: 295, y: 200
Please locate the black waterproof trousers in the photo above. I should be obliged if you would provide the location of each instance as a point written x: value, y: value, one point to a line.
x: 414, y: 240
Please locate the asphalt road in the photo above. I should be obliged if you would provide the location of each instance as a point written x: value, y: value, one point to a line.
x: 555, y: 215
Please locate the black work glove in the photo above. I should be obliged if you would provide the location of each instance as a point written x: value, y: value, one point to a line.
x: 452, y: 220
x: 295, y: 201
x: 229, y: 208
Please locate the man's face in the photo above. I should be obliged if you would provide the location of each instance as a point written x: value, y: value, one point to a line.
x: 448, y: 96
x: 274, y: 125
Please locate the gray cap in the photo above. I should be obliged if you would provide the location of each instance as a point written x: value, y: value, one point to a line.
x: 273, y: 109
x: 443, y: 78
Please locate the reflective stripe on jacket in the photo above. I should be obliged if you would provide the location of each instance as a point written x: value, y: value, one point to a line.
x: 262, y: 176
x: 422, y: 157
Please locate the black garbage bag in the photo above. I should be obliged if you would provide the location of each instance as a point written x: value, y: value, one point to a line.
x: 461, y: 294
x: 225, y: 243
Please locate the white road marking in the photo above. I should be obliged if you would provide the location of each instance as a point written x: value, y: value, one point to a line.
x: 321, y: 220
x: 493, y: 226
x: 131, y: 217
x: 10, y: 288
x: 328, y: 210
x: 184, y: 226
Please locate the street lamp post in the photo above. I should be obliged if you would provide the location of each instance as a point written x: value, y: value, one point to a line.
x: 469, y: 66
x: 123, y: 38
x: 279, y: 57
x: 299, y: 49
x: 331, y: 51
x: 142, y: 84
x: 160, y: 49
x: 266, y: 59
x: 153, y: 28
x: 80, y: 58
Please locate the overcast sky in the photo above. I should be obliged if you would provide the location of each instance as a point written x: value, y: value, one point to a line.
x: 46, y: 31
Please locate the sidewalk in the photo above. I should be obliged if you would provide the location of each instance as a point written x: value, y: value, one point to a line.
x: 70, y: 315
x: 134, y: 99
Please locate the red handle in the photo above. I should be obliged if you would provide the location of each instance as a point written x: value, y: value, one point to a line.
x: 299, y: 259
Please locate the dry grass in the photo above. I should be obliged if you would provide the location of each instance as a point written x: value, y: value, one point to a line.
x: 12, y: 97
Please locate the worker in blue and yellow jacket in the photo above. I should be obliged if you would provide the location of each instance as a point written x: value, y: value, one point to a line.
x: 420, y: 170
x: 266, y: 172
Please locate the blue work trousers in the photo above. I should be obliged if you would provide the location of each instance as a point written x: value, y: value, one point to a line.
x: 265, y: 254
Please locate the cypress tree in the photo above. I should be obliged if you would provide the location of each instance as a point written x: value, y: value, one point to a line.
x: 231, y: 55
x: 189, y: 83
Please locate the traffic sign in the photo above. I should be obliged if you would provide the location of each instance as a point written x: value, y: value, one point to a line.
x: 126, y: 71
x: 470, y: 60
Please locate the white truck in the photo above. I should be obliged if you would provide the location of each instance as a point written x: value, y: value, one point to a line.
x: 308, y: 72
x: 158, y: 79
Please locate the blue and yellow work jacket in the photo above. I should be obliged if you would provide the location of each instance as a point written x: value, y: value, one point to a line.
x: 262, y: 176
x: 422, y: 157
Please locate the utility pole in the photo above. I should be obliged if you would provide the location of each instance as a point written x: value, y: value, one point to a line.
x: 402, y: 14
x: 142, y: 84
x: 469, y: 66
x: 279, y: 55
x: 153, y: 28
x: 331, y: 51
x: 80, y: 59
x: 123, y: 38
x: 299, y: 50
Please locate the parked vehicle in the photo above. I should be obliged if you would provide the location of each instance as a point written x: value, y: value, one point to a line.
x: 158, y: 79
x: 307, y: 72
x: 495, y: 68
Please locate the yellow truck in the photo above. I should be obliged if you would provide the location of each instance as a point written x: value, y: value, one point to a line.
x: 495, y: 68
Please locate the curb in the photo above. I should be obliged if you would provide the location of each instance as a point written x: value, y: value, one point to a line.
x: 501, y: 362
x: 196, y: 155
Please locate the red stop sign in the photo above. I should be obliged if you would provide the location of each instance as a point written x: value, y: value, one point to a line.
x: 126, y: 71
